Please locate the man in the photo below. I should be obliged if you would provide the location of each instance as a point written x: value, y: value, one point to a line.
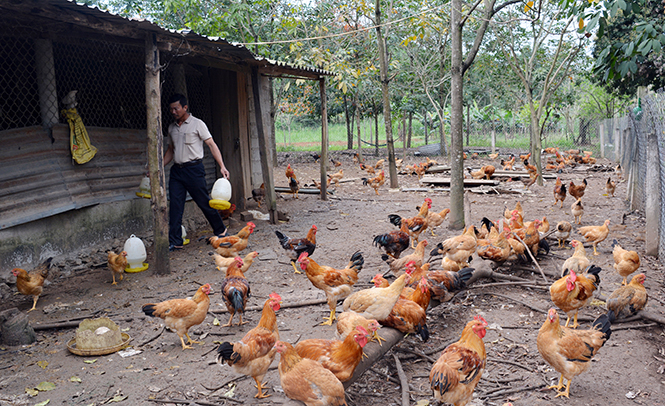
x: 187, y: 136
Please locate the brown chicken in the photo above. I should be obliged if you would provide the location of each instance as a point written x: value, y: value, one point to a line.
x: 625, y: 262
x: 444, y: 285
x: 306, y: 380
x: 507, y: 213
x: 610, y: 187
x: 296, y: 246
x: 627, y: 300
x: 335, y: 162
x: 376, y: 303
x: 348, y: 321
x: 458, y: 370
x: 619, y: 171
x: 253, y: 355
x: 181, y: 314
x: 559, y: 192
x: 117, y: 264
x: 508, y: 164
x: 595, y: 234
x: 562, y: 232
x: 544, y: 226
x: 32, y: 283
x: 368, y: 168
x: 236, y: 291
x: 396, y: 265
x: 572, y: 292
x: 496, y: 247
x: 415, y: 225
x: 577, y: 191
x: 569, y: 351
x: 290, y: 173
x: 394, y: 242
x: 230, y: 246
x: 337, y: 284
x: 488, y: 170
x: 408, y: 317
x: 458, y: 248
x: 379, y: 164
x: 375, y: 182
x: 435, y: 219
x: 222, y: 263
x: 578, y: 262
x: 340, y: 357
x: 226, y: 213
x: 577, y: 210
x: 259, y: 194
x: 294, y: 186
x: 337, y: 176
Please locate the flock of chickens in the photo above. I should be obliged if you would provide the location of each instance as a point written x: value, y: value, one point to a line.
x: 313, y: 371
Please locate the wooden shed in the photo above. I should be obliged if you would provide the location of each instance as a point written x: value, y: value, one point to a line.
x: 50, y: 205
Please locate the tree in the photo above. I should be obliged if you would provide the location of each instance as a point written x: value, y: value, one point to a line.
x: 540, y: 53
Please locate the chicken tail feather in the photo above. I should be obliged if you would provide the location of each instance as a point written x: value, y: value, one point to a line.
x: 225, y: 353
x: 614, y: 243
x: 603, y: 324
x: 149, y: 309
x: 283, y: 240
x: 423, y: 332
x: 357, y: 261
x: 236, y: 299
x: 611, y: 316
x: 395, y: 220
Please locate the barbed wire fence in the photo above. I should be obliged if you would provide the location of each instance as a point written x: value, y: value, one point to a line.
x: 627, y: 141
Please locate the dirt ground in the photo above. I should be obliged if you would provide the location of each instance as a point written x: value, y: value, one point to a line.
x: 628, y: 369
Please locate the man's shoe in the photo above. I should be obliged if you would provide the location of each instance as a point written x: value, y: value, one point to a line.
x: 175, y: 247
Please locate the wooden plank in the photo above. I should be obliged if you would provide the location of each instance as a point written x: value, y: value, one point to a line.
x: 305, y: 191
x: 467, y: 182
x: 324, y: 139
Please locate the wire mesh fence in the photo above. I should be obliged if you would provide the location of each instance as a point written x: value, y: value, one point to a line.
x: 625, y: 139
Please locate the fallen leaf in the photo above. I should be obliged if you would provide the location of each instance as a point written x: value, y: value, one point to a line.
x: 90, y: 361
x: 44, y: 403
x: 117, y: 398
x: 75, y: 379
x: 229, y: 394
x: 45, y: 386
x: 31, y: 391
x: 42, y: 364
x: 125, y: 329
x: 216, y: 322
x: 423, y: 402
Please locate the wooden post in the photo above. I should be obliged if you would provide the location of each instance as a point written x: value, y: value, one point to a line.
x: 601, y: 130
x: 468, y: 124
x: 360, y: 145
x: 324, y: 138
x: 271, y: 198
x: 652, y: 200
x: 45, y: 70
x: 153, y: 97
x: 493, y: 141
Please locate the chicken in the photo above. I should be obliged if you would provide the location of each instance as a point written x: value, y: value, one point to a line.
x: 415, y: 225
x: 544, y: 226
x: 348, y: 321
x: 573, y: 291
x: 508, y: 164
x: 496, y: 247
x: 181, y: 314
x: 376, y: 303
x: 578, y: 262
x: 306, y: 380
x: 222, y: 263
x: 335, y: 162
x: 259, y: 194
x: 625, y: 262
x: 562, y: 232
x: 445, y: 284
x: 379, y: 164
x: 231, y: 245
x: 619, y: 171
x: 435, y: 219
x: 577, y: 191
x: 253, y: 355
x: 610, y: 187
x: 507, y: 213
x: 559, y: 192
x: 525, y: 157
x: 493, y: 156
x: 317, y: 184
x: 236, y: 291
x: 551, y: 150
x: 340, y: 357
x: 420, y: 170
x: 337, y: 284
x: 290, y: 173
x: 485, y: 172
x: 398, y: 164
x: 577, y: 210
x: 396, y: 265
x: 337, y: 176
x: 458, y: 248
x: 375, y: 182
x: 458, y: 370
x: 117, y: 264
x: 430, y: 162
x: 595, y: 234
x: 408, y: 317
x: 569, y: 351
x: 32, y: 283
x: 226, y: 213
x: 294, y: 186
x: 394, y: 242
x: 479, y: 174
x: 627, y: 300
x: 533, y: 172
x: 296, y: 246
x: 368, y: 168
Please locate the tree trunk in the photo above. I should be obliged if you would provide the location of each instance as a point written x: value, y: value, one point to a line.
x: 468, y: 124
x: 442, y: 101
x: 456, y: 219
x: 535, y: 141
x: 360, y: 145
x: 403, y: 135
x: 156, y: 155
x: 408, y: 145
x: 385, y: 90
x: 426, y: 129
x: 376, y: 132
x: 349, y: 133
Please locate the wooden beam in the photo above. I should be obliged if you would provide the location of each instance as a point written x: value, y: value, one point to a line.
x: 271, y: 197
x: 324, y: 139
x: 153, y: 101
x: 467, y: 182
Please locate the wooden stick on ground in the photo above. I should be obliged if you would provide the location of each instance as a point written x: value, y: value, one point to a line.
x: 528, y: 250
x: 404, y: 383
x: 153, y: 338
x: 505, y: 361
x: 313, y: 302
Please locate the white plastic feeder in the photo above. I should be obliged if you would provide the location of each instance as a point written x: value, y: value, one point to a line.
x: 144, y: 188
x: 136, y: 254
x: 221, y: 194
x: 185, y: 240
